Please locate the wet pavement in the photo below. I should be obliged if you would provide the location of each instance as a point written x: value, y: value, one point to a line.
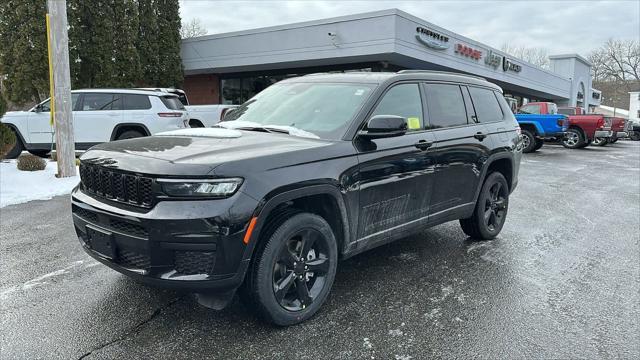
x: 561, y: 281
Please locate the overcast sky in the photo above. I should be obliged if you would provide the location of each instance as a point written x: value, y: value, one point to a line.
x: 559, y: 26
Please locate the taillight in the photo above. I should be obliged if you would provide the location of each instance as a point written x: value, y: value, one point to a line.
x: 170, y: 114
x: 600, y: 123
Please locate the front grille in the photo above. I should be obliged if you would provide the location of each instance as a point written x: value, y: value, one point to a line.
x: 113, y: 185
x: 194, y: 262
x: 132, y: 259
x: 85, y: 214
x: 128, y: 228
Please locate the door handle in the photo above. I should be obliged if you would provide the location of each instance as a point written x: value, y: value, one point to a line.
x: 423, y: 145
x: 480, y: 135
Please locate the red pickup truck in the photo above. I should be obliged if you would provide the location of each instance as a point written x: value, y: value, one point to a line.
x: 583, y: 128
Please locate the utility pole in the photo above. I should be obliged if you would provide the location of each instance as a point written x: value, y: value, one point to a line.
x: 63, y: 118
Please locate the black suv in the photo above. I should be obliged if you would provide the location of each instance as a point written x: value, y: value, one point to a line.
x: 311, y: 170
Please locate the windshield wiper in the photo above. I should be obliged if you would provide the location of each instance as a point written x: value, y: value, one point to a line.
x: 263, y: 129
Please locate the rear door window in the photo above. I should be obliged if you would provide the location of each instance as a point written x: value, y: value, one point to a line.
x: 486, y: 105
x: 172, y: 102
x: 97, y: 102
x: 446, y: 106
x: 136, y: 102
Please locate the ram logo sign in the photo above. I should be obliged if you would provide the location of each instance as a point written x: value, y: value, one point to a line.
x: 432, y: 39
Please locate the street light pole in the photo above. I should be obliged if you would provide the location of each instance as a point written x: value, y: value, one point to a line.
x: 63, y: 119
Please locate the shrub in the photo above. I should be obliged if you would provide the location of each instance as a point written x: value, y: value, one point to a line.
x: 28, y: 162
x: 7, y: 140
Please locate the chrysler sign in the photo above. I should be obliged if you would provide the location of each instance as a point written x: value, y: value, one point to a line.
x: 432, y: 39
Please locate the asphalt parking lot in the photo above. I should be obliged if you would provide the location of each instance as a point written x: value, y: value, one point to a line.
x: 561, y: 281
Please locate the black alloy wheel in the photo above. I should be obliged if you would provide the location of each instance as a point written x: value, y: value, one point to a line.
x: 293, y: 270
x: 495, y: 207
x: 491, y: 209
x: 300, y: 270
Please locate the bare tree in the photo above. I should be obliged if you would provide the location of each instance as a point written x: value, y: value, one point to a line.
x: 192, y: 28
x: 534, y: 55
x: 616, y: 70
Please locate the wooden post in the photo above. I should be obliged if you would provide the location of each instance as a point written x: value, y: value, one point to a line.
x: 65, y: 142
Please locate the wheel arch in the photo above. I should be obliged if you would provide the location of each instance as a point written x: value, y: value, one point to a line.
x: 502, y: 163
x: 532, y: 126
x: 323, y: 199
x: 196, y: 121
x: 118, y: 129
x: 17, y: 132
x: 580, y: 129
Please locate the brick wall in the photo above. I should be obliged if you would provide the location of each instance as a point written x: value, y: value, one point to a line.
x: 202, y: 89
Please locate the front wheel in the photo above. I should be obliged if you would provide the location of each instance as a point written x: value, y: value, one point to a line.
x: 294, y: 271
x: 600, y: 141
x: 491, y: 209
x: 573, y: 139
x: 129, y: 134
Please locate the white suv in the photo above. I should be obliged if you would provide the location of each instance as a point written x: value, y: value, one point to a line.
x: 99, y: 115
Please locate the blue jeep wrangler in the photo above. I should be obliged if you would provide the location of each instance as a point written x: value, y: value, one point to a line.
x: 536, y: 128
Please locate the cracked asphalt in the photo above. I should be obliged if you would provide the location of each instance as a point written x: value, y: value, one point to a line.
x: 561, y: 281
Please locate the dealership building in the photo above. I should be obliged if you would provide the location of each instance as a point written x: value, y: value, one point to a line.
x: 232, y: 67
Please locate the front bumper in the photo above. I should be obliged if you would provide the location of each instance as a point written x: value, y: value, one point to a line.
x: 190, y: 245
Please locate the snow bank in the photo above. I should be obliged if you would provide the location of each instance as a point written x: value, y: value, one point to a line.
x: 18, y: 187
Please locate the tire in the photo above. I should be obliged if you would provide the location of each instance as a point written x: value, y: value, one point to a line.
x: 279, y: 263
x: 574, y: 139
x: 528, y: 141
x: 634, y: 135
x: 491, y: 209
x: 600, y: 141
x: 584, y: 144
x: 17, y: 148
x: 613, y: 140
x: 539, y: 143
x: 129, y: 134
x: 40, y: 153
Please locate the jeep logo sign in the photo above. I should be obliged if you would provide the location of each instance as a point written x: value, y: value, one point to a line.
x: 493, y: 59
x: 432, y: 39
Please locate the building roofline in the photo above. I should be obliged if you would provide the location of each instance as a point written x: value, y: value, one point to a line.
x: 568, y: 56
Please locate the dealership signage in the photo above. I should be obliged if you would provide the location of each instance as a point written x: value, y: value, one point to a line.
x: 432, y: 39
x: 495, y: 60
x: 468, y: 51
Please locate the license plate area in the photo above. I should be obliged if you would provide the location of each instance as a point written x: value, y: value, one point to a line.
x: 101, y: 241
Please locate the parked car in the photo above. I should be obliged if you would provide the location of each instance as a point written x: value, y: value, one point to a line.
x: 321, y: 168
x: 199, y: 115
x: 583, y: 129
x: 632, y: 128
x: 616, y: 127
x: 99, y: 115
x: 536, y: 128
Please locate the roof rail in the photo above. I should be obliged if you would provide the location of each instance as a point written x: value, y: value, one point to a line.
x: 412, y: 71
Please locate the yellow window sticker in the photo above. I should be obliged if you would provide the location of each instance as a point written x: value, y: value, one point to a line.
x: 413, y: 123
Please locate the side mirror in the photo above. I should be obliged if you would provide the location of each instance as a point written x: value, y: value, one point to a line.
x: 384, y: 126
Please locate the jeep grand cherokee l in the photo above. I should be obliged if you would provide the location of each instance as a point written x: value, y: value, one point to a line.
x: 311, y: 170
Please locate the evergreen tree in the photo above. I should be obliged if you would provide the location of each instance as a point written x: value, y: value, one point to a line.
x: 170, y: 63
x: 147, y: 42
x: 126, y: 60
x: 23, y: 50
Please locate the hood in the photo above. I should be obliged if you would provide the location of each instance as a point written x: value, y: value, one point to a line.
x: 195, y: 153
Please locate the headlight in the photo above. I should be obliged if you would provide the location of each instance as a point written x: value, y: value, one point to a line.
x: 200, y: 187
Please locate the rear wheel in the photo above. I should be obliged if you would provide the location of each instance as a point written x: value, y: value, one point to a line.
x: 539, y: 143
x: 294, y: 271
x: 573, y: 139
x: 528, y: 141
x: 613, y: 140
x: 600, y: 141
x: 129, y: 134
x: 491, y: 209
x: 634, y: 135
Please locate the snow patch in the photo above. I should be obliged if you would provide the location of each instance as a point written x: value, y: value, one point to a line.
x: 17, y: 187
x: 203, y: 132
x: 403, y: 357
x: 396, y: 332
x: 367, y: 344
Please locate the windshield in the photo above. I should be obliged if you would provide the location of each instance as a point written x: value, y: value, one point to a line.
x: 322, y: 109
